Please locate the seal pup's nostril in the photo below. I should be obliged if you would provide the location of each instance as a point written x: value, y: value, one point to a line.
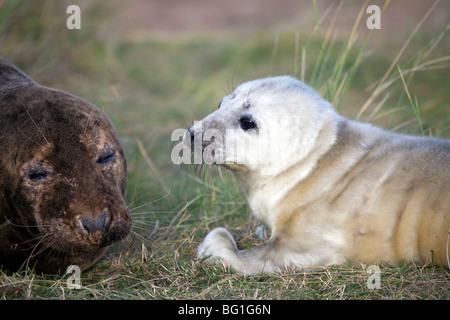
x: 191, y: 130
x: 192, y: 134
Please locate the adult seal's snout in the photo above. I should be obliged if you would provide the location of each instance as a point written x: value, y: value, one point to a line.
x: 62, y: 177
x: 92, y: 225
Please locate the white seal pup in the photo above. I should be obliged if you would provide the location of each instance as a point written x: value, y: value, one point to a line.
x: 332, y: 190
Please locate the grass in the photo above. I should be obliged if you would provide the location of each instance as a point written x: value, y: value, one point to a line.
x: 151, y: 85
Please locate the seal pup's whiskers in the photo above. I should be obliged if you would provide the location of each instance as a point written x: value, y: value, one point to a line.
x: 229, y: 90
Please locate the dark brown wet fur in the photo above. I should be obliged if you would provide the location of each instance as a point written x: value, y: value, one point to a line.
x: 62, y: 178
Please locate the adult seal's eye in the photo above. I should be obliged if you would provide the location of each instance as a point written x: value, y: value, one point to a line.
x: 36, y: 175
x: 108, y: 156
x: 38, y: 172
x: 247, y: 124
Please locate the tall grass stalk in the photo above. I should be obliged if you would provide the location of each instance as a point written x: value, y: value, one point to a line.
x: 413, y: 103
x: 378, y: 88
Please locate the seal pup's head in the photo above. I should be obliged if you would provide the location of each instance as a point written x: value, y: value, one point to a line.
x: 62, y: 177
x: 263, y: 128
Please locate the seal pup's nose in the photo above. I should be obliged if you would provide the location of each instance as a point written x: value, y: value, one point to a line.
x: 191, y: 133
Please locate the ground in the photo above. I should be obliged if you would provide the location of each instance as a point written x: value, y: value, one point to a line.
x: 156, y: 66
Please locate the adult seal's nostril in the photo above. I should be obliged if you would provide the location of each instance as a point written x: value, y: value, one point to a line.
x: 118, y: 230
x: 93, y: 225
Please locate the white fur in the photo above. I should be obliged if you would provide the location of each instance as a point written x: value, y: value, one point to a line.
x: 323, y: 184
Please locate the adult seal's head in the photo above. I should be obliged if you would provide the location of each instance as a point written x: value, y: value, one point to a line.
x: 62, y: 178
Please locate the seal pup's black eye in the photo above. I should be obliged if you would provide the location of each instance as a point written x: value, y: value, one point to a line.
x: 106, y: 157
x: 247, y: 123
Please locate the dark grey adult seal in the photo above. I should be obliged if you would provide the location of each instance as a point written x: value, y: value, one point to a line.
x: 62, y: 178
